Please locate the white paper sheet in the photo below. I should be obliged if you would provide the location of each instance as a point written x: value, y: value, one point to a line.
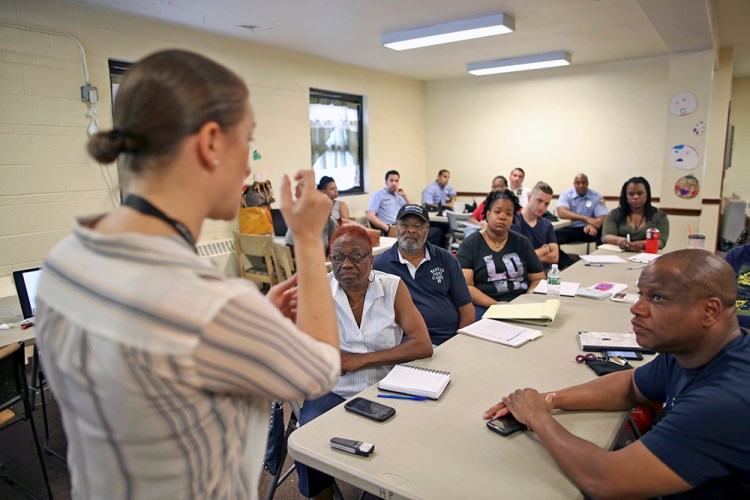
x: 567, y: 288
x: 610, y: 247
x: 602, y: 259
x: 608, y: 287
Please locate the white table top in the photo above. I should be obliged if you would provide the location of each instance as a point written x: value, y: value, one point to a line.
x: 10, y: 312
x: 442, y: 449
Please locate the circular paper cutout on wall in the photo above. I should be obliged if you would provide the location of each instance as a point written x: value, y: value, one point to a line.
x: 699, y: 128
x: 684, y: 157
x: 683, y: 103
x: 687, y: 187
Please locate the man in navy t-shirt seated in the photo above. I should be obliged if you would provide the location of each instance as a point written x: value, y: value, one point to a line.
x: 432, y: 275
x: 531, y: 223
x: 701, y: 446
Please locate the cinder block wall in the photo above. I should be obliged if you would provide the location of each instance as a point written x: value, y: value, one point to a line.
x: 46, y: 177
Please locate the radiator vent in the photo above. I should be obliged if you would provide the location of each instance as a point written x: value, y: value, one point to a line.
x: 216, y: 248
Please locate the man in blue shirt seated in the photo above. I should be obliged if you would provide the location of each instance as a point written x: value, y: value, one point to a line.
x: 530, y: 223
x: 385, y: 204
x: 701, y: 446
x: 432, y: 275
x: 739, y: 259
x: 585, y: 207
x: 439, y: 194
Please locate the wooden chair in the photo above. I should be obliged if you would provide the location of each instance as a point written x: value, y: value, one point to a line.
x: 362, y: 220
x: 284, y: 263
x: 255, y: 257
x: 14, y: 389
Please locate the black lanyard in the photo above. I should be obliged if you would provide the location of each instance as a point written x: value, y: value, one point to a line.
x: 143, y: 206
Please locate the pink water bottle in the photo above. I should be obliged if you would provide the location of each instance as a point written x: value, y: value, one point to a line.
x: 652, y: 240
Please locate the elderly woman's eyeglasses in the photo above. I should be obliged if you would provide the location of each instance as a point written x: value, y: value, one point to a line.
x: 414, y: 225
x: 355, y: 257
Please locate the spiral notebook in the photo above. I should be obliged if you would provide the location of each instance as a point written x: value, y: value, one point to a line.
x: 415, y: 381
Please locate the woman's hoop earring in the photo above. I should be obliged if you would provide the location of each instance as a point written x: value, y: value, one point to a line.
x: 371, y: 278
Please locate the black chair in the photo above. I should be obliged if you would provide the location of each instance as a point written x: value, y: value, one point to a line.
x: 277, y: 449
x: 279, y: 225
x: 47, y: 448
x: 277, y: 446
x: 14, y: 389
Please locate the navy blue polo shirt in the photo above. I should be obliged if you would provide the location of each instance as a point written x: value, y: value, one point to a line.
x: 438, y: 288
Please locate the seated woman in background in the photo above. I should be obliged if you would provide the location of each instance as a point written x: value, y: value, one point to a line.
x: 633, y: 217
x: 476, y: 221
x: 374, y: 310
x: 499, y: 183
x: 498, y: 264
x: 340, y: 212
x: 330, y: 226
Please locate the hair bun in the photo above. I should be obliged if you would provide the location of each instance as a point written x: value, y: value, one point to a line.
x: 105, y: 147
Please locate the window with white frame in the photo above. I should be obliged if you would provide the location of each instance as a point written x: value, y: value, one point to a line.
x: 336, y: 132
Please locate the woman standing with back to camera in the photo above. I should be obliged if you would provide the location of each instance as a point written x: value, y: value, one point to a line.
x: 164, y: 368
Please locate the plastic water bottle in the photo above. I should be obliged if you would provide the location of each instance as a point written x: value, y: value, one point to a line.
x: 652, y: 240
x: 553, y: 282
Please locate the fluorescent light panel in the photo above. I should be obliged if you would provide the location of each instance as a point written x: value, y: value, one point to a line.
x: 523, y: 63
x: 454, y: 31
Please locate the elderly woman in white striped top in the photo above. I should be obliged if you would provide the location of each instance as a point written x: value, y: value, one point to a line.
x: 374, y: 311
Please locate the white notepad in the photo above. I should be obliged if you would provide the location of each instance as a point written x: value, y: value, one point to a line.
x: 415, y: 381
x: 609, y: 341
x: 500, y: 332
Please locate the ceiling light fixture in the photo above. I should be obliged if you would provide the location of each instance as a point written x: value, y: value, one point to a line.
x: 454, y: 31
x: 523, y: 63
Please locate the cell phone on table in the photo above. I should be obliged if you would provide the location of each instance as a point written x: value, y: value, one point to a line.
x: 370, y: 409
x: 506, y: 425
x: 625, y: 355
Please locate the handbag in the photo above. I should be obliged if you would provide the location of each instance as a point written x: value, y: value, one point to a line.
x: 256, y: 220
x: 276, y: 448
x: 258, y: 194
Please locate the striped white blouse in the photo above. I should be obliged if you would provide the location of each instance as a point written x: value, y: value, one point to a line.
x: 164, y: 369
x: 379, y: 330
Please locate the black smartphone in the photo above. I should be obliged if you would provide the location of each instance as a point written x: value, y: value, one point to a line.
x: 370, y: 409
x: 506, y: 425
x: 625, y: 354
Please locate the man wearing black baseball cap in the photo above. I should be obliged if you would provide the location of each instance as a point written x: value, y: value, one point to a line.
x: 432, y: 275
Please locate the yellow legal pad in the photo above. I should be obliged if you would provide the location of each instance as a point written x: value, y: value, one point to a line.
x: 542, y: 313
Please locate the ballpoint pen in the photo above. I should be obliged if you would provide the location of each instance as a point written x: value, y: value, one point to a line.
x: 591, y: 264
x: 634, y: 268
x: 399, y: 396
